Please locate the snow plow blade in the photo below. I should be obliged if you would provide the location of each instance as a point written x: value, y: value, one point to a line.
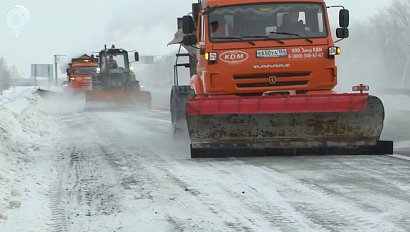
x: 117, y: 99
x: 48, y: 94
x: 334, y: 124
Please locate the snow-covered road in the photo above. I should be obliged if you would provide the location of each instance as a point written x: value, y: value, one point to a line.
x: 122, y: 171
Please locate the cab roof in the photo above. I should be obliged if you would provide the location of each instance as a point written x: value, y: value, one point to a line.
x: 84, y: 59
x: 113, y: 50
x: 210, y: 3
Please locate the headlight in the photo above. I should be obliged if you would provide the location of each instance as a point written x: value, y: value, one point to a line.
x: 333, y: 51
x: 132, y: 69
x: 98, y: 70
x: 211, y: 56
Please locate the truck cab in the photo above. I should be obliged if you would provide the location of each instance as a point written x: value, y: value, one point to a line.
x: 256, y: 47
x: 80, y: 73
x: 262, y: 74
x: 115, y: 71
x: 114, y: 59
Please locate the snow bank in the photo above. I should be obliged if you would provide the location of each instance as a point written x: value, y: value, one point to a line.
x: 20, y: 126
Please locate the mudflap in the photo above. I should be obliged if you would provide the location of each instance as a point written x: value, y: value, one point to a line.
x: 178, y: 99
x: 101, y: 100
x: 303, y: 125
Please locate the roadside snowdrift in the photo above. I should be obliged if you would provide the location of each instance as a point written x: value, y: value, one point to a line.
x: 21, y: 125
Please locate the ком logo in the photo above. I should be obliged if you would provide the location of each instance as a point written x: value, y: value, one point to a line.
x: 234, y: 56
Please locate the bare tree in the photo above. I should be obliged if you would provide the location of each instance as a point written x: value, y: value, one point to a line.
x: 378, y: 50
x: 392, y: 29
x: 4, y: 75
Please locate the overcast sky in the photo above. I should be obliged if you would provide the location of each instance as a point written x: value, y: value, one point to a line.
x: 74, y: 27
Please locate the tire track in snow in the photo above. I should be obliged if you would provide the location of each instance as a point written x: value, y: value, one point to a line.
x: 179, y: 193
x: 257, y: 210
x: 207, y: 205
x: 277, y: 195
x: 92, y: 187
x: 57, y: 195
x: 149, y: 186
x: 336, y: 212
x: 220, y: 215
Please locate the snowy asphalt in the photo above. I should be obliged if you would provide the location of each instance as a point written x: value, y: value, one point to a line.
x: 122, y: 171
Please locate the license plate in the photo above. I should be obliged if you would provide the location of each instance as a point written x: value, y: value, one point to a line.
x: 271, y: 53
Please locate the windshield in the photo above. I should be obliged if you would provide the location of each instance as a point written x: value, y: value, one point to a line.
x: 114, y: 61
x: 85, y: 70
x: 267, y: 21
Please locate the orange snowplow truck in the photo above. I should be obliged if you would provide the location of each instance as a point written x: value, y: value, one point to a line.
x: 80, y: 72
x: 262, y: 79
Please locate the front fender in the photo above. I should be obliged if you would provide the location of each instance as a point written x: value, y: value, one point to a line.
x: 197, y: 85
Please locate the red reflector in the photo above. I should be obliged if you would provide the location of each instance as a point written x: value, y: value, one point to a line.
x: 278, y: 104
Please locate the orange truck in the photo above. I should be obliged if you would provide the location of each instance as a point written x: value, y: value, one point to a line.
x: 80, y: 73
x: 262, y: 82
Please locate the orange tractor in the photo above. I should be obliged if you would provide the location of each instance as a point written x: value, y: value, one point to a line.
x: 262, y: 80
x: 80, y: 73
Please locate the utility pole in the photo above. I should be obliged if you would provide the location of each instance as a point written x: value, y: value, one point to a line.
x: 56, y: 60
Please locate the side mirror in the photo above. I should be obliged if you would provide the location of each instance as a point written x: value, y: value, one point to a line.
x: 179, y: 23
x: 344, y: 18
x: 342, y: 33
x: 136, y: 56
x: 188, y: 25
x: 196, y: 8
x: 189, y: 40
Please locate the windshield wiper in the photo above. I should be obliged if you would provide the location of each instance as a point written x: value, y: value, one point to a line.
x: 264, y: 37
x: 294, y: 34
x: 235, y: 37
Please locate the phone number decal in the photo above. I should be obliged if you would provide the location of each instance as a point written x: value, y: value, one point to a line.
x: 306, y: 53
